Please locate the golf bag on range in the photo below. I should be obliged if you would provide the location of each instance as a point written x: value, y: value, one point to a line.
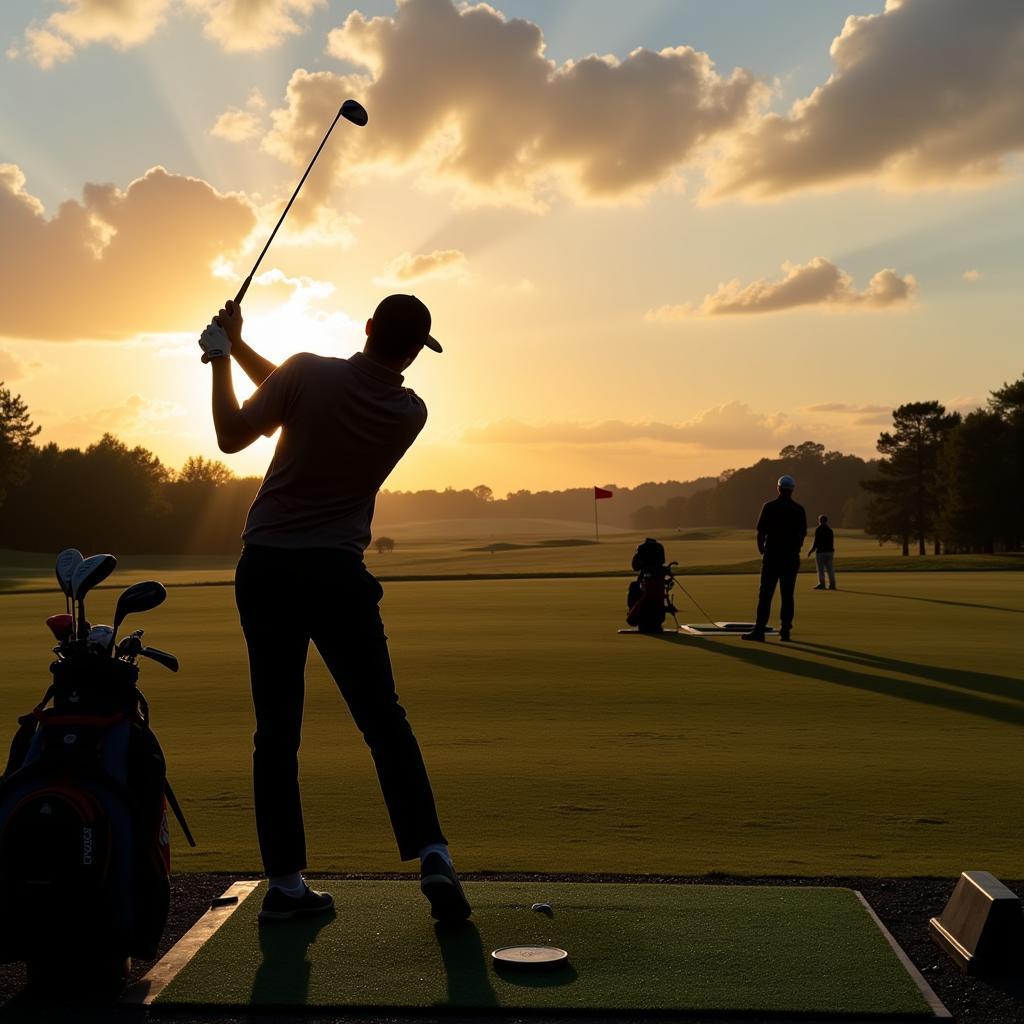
x: 84, y: 843
x: 648, y: 600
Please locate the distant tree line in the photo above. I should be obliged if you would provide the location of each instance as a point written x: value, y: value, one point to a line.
x: 827, y: 482
x: 944, y: 481
x: 949, y: 482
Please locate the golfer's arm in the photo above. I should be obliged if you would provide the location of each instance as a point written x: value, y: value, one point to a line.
x: 760, y: 542
x: 233, y: 433
x: 256, y: 368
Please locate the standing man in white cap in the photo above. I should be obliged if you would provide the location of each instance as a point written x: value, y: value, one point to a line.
x: 781, y: 529
x: 344, y: 423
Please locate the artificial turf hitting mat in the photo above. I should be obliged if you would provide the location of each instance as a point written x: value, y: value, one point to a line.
x: 638, y: 947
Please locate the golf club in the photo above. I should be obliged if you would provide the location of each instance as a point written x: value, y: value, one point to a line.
x: 160, y: 657
x: 89, y: 572
x: 139, y: 597
x: 61, y: 626
x: 100, y: 639
x: 351, y: 111
x: 129, y: 647
x: 675, y: 580
x: 67, y: 562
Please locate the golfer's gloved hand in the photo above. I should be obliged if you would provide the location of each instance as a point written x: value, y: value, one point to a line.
x: 214, y: 342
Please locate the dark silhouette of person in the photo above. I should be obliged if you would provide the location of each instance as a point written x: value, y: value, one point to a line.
x: 781, y: 529
x: 824, y: 551
x: 345, y: 423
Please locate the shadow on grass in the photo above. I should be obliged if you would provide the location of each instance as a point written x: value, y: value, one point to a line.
x: 980, y: 682
x: 772, y: 658
x: 282, y: 977
x: 465, y: 964
x: 935, y: 600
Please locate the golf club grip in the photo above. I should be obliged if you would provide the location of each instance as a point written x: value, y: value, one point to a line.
x: 238, y: 302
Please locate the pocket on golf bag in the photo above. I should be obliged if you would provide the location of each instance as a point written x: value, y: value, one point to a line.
x: 64, y: 869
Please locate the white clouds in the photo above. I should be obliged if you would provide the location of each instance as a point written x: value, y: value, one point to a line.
x: 818, y: 283
x: 117, y: 263
x: 467, y: 96
x: 408, y: 268
x: 972, y: 275
x: 930, y: 92
x: 235, y: 25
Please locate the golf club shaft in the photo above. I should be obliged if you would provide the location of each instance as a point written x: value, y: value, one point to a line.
x: 259, y: 259
x: 693, y: 599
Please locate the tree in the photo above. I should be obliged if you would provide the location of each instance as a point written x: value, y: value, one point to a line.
x: 1007, y: 403
x: 975, y: 513
x: 483, y: 493
x: 806, y: 450
x: 906, y: 491
x: 198, y: 470
x: 16, y: 433
x: 384, y: 545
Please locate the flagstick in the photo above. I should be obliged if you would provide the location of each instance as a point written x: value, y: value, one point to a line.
x: 597, y: 536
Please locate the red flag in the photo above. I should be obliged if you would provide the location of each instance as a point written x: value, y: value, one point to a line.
x: 600, y: 492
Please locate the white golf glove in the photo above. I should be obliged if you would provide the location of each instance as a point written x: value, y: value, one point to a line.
x: 214, y: 342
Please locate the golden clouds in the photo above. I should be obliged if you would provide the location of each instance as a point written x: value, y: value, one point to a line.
x: 931, y: 92
x: 118, y: 263
x: 467, y: 96
x: 251, y: 25
x: 816, y: 283
x: 408, y: 268
x: 236, y: 25
x: 732, y: 426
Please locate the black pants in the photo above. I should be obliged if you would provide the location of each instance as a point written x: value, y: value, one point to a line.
x: 285, y: 599
x: 778, y: 571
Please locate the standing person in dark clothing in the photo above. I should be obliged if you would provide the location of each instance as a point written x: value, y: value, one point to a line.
x: 781, y: 529
x: 824, y: 551
x: 344, y: 423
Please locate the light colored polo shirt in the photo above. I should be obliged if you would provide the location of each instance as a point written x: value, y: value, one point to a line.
x: 344, y: 423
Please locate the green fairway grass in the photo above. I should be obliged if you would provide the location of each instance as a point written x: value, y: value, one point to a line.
x: 451, y: 548
x: 743, y: 949
x: 886, y: 741
x: 524, y: 548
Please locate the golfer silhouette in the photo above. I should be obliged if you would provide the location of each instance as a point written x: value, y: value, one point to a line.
x: 781, y: 529
x: 345, y: 424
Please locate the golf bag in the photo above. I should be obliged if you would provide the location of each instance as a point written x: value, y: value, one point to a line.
x: 648, y: 600
x: 84, y: 843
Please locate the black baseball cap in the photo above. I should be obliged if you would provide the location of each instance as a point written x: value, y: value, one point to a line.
x: 403, y: 319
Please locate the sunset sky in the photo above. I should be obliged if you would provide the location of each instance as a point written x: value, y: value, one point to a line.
x: 658, y: 238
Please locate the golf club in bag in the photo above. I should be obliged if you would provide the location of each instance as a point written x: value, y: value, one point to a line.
x: 84, y: 840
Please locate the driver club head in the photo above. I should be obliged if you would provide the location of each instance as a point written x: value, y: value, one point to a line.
x: 139, y: 597
x: 91, y: 572
x: 67, y: 562
x: 354, y: 112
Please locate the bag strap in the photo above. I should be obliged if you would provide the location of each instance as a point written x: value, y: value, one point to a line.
x: 23, y: 737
